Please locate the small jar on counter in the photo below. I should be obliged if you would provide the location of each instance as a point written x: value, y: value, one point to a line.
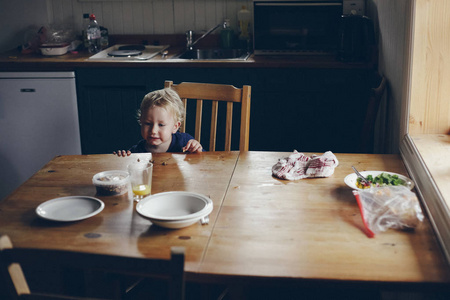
x: 104, y: 39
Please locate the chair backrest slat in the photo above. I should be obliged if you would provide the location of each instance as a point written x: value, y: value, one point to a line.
x: 198, y: 119
x: 228, y: 126
x: 213, y: 131
x: 183, y: 124
x: 245, y: 118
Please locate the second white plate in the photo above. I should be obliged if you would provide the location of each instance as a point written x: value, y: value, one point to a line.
x: 69, y: 209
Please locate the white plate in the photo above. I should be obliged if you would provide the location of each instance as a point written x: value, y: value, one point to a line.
x: 350, y: 179
x: 68, y: 209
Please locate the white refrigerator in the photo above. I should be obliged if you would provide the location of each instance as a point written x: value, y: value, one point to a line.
x: 38, y: 121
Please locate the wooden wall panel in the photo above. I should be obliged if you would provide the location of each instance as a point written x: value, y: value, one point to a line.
x: 430, y: 76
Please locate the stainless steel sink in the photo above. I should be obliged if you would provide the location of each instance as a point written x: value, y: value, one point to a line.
x: 213, y: 54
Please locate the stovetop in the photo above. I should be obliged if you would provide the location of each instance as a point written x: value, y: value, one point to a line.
x: 147, y: 53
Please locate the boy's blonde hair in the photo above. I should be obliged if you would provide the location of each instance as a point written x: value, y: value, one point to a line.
x: 166, y: 98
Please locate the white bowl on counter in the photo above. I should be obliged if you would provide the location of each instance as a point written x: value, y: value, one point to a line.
x: 54, y: 49
x: 175, y: 209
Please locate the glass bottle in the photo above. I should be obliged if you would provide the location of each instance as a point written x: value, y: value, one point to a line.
x: 227, y: 35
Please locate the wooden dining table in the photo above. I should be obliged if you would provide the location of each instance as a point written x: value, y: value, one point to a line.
x: 262, y: 229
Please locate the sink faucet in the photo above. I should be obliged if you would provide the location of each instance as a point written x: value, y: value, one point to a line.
x: 189, y: 35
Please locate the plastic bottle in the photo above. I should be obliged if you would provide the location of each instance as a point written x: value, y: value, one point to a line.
x: 84, y: 30
x: 93, y: 35
x: 244, y: 18
x: 226, y: 35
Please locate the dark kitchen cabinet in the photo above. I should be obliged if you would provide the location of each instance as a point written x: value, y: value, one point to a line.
x: 107, y: 104
x: 310, y: 110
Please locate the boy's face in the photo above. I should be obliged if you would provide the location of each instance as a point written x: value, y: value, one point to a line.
x: 157, y: 126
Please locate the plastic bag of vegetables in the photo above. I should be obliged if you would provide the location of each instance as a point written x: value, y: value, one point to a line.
x: 388, y: 207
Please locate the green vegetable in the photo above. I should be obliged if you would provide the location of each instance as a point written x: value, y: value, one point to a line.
x: 381, y: 180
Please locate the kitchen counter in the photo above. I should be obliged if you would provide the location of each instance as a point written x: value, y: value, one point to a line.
x: 16, y: 61
x: 305, y: 83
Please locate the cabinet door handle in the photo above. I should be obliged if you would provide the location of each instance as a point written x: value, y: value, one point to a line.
x: 27, y: 90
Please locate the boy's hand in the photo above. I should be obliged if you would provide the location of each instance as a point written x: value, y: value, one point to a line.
x: 122, y: 153
x: 193, y: 146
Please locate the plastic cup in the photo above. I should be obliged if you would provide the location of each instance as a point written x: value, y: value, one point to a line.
x: 140, y: 179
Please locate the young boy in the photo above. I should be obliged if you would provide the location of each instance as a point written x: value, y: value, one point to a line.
x: 160, y: 116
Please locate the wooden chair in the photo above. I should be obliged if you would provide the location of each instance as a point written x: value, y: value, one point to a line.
x: 13, y: 277
x: 217, y: 92
x: 368, y: 128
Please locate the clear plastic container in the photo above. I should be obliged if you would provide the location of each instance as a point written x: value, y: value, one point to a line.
x: 111, y: 183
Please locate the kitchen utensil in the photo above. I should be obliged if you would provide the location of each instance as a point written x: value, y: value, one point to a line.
x: 124, y: 53
x: 129, y: 52
x: 132, y: 47
x: 360, y: 176
x: 356, y: 38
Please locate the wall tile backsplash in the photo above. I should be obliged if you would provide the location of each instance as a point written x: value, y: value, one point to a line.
x: 147, y: 16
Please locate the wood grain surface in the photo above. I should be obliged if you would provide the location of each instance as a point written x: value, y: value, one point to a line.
x: 118, y: 229
x: 312, y: 229
x: 261, y: 227
x: 429, y: 109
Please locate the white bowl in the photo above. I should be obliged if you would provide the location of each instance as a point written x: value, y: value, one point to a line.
x: 54, y: 49
x: 350, y: 179
x: 175, y: 209
x: 175, y: 224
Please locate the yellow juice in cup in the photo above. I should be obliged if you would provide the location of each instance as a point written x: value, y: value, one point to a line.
x: 140, y: 179
x: 142, y: 190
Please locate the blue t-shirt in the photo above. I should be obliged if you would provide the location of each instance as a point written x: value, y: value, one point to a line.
x: 179, y: 140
